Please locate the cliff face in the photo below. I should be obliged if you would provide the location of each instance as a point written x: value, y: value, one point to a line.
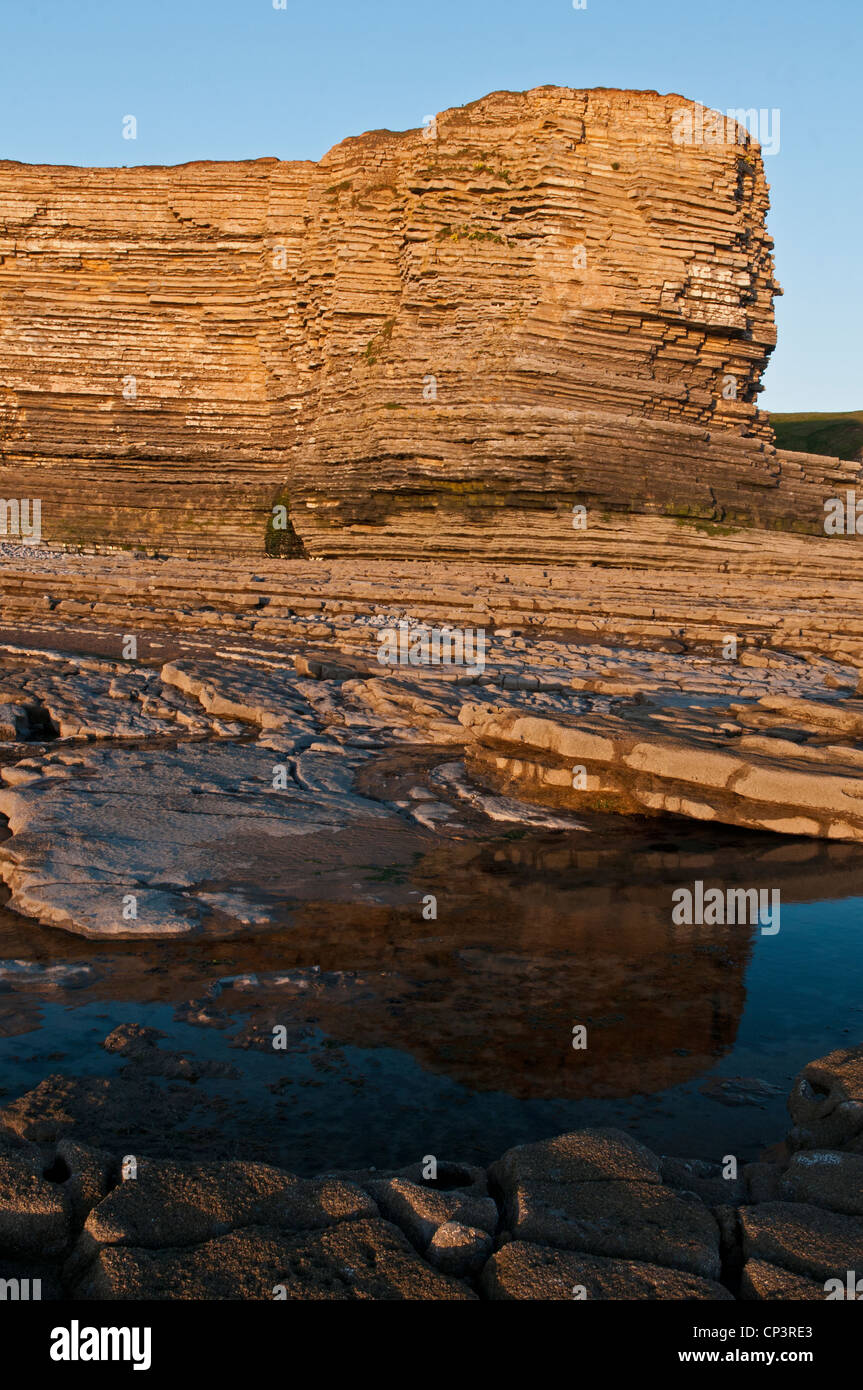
x: 133, y: 330
x: 431, y: 342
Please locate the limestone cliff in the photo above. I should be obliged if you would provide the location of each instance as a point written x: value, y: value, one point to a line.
x: 435, y: 341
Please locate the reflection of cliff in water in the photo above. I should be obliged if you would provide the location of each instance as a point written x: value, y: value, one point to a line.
x: 533, y: 935
x: 536, y: 935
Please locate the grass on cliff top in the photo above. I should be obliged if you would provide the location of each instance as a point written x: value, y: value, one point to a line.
x: 840, y: 436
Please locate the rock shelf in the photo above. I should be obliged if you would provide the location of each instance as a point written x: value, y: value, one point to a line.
x: 239, y: 673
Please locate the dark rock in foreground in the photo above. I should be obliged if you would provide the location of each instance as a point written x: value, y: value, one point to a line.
x: 587, y: 1215
x: 368, y: 1259
x: 524, y: 1271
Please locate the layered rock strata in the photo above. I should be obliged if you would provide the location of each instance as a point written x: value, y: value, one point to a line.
x: 707, y: 770
x: 431, y: 342
x: 642, y: 582
x: 287, y: 771
x: 285, y: 671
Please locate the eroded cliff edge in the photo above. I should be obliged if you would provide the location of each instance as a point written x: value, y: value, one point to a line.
x: 431, y: 342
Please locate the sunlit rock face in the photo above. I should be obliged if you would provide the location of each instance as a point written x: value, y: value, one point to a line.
x: 433, y: 341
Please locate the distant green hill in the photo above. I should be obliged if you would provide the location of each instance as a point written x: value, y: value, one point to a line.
x: 841, y: 436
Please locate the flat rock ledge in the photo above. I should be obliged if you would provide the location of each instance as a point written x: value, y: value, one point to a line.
x: 788, y: 765
x: 587, y: 1215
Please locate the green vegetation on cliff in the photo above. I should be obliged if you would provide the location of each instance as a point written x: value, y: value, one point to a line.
x: 839, y: 436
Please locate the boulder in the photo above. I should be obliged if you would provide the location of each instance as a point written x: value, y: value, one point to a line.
x: 803, y: 1239
x: 767, y: 1283
x: 366, y: 1259
x: 826, y: 1101
x: 91, y: 1174
x: 458, y: 1249
x: 585, y: 1155
x: 522, y: 1270
x: 180, y: 1204
x: 419, y: 1210
x: 35, y: 1214
x: 763, y: 1182
x: 704, y: 1179
x: 624, y: 1220
x: 826, y: 1179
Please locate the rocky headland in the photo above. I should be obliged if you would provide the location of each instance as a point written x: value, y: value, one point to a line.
x: 434, y: 342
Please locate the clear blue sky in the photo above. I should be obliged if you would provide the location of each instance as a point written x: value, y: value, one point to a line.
x: 235, y: 79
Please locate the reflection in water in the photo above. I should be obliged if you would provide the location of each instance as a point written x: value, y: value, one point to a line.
x: 462, y: 1026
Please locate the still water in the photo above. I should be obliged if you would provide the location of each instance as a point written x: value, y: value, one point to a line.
x: 406, y: 1036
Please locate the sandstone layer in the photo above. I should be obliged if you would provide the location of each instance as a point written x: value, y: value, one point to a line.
x: 431, y: 342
